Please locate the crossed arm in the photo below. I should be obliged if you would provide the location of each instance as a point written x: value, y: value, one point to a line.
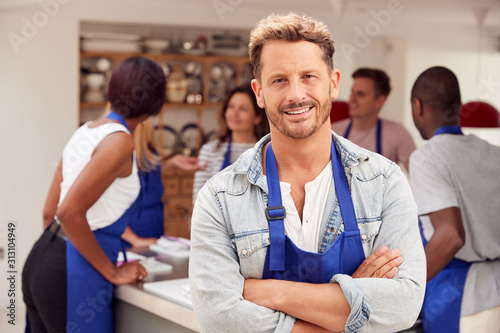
x: 319, y: 307
x: 227, y: 299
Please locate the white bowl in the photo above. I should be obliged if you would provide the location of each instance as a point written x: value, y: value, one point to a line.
x: 95, y: 80
x: 156, y: 45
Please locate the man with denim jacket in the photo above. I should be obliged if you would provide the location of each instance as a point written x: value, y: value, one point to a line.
x: 245, y: 274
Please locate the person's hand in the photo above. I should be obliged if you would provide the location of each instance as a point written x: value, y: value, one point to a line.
x: 129, y: 272
x: 183, y: 162
x: 380, y: 264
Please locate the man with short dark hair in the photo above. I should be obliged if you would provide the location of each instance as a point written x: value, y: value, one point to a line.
x: 364, y: 127
x: 456, y: 185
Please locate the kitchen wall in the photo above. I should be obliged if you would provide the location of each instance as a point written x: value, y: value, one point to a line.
x: 39, y: 66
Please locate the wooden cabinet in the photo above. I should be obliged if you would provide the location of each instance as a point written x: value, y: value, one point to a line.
x: 196, y: 86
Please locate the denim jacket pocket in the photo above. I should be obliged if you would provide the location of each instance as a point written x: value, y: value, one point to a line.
x: 368, y: 230
x: 247, y: 247
x: 248, y: 243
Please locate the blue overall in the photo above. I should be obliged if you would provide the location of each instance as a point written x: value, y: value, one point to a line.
x: 378, y: 134
x: 148, y: 220
x: 227, y: 155
x: 444, y: 292
x: 89, y: 294
x: 284, y: 260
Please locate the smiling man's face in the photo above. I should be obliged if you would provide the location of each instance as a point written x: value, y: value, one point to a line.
x: 296, y: 88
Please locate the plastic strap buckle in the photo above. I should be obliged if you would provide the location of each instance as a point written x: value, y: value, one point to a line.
x: 278, y: 217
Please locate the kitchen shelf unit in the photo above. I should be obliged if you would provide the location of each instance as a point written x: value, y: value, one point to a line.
x: 213, y: 72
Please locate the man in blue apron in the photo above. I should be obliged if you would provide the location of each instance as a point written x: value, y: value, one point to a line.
x: 306, y: 231
x: 455, y: 182
x: 365, y: 128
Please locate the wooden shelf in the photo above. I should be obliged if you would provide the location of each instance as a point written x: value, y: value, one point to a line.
x: 177, y: 183
x: 164, y: 56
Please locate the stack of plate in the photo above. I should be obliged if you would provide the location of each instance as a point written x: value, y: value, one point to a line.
x: 110, y: 42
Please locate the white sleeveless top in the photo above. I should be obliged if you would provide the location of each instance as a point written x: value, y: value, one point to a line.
x: 118, y: 196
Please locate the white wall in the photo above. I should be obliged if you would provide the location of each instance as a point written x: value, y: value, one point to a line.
x: 38, y: 104
x: 39, y: 86
x: 456, y: 48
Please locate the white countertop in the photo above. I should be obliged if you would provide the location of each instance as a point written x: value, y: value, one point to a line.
x: 164, y: 308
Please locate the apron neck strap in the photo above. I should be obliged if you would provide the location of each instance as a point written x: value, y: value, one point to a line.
x: 449, y: 129
x: 343, y: 191
x: 227, y: 154
x: 378, y: 134
x: 115, y: 116
x: 276, y: 213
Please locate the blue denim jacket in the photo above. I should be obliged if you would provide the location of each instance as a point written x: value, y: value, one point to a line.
x: 229, y: 239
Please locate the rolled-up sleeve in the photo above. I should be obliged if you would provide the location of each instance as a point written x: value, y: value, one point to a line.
x: 360, y: 311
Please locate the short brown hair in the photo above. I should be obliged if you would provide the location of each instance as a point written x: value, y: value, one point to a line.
x: 290, y: 27
x: 379, y: 77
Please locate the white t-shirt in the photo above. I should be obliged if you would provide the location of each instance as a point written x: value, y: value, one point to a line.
x: 119, y: 196
x: 212, y: 153
x: 397, y: 144
x: 463, y: 171
x: 305, y: 233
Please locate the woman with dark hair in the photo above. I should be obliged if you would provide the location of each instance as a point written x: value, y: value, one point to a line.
x: 69, y: 275
x: 244, y: 122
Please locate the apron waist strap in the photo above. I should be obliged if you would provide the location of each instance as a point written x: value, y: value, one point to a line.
x: 55, y: 228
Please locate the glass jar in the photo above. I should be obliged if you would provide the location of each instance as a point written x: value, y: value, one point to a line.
x: 177, y: 86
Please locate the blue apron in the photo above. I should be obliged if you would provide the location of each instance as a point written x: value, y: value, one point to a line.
x: 444, y: 292
x: 89, y: 294
x: 378, y: 134
x: 148, y: 220
x: 284, y: 260
x: 227, y: 154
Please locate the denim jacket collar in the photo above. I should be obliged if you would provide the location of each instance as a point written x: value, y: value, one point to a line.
x: 250, y: 163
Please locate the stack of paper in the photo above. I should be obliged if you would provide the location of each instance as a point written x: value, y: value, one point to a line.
x: 131, y: 256
x: 150, y: 264
x: 154, y: 266
x: 172, y: 246
x: 174, y: 290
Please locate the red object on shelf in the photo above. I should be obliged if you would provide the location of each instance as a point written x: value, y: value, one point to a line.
x: 479, y: 114
x: 340, y: 111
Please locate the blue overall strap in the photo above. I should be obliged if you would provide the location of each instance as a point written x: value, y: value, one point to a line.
x: 142, y: 200
x: 343, y: 193
x: 378, y: 134
x: 348, y: 130
x: 124, y: 250
x: 421, y: 228
x: 115, y: 116
x: 449, y: 129
x: 275, y: 213
x: 227, y: 155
